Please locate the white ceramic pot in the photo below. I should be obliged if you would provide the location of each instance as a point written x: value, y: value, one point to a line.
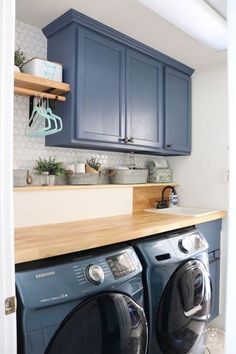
x: 16, y: 68
x: 51, y: 181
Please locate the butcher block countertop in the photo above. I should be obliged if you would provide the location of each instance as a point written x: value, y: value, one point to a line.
x: 37, y: 242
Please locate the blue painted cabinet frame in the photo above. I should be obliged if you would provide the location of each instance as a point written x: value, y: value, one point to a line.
x: 211, y: 231
x: 177, y: 130
x: 101, y: 88
x: 121, y: 98
x: 144, y: 99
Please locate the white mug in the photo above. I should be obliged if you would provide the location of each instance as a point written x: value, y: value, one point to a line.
x: 80, y: 167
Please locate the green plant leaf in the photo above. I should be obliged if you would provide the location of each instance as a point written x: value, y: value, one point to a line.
x: 49, y: 165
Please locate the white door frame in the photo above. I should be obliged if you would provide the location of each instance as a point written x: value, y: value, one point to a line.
x: 7, y: 276
x: 231, y: 284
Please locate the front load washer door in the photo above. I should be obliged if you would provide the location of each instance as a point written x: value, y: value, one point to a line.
x: 184, y: 310
x: 109, y: 323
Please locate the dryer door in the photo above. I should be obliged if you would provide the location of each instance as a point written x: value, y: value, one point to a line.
x: 109, y: 323
x: 184, y: 309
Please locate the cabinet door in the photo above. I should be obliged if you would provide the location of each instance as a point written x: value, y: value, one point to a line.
x: 144, y: 99
x: 100, y: 88
x: 177, y: 111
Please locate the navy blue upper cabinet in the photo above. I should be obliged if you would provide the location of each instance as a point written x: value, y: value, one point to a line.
x: 119, y: 98
x: 144, y: 77
x: 177, y: 129
x: 101, y: 88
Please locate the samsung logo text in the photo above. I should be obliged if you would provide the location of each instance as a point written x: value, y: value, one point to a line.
x: 46, y: 274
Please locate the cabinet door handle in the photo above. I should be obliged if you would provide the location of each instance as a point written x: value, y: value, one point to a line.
x: 125, y: 140
x: 169, y: 145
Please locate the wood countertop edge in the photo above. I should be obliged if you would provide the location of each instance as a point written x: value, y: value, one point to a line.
x: 38, y: 242
x: 90, y: 186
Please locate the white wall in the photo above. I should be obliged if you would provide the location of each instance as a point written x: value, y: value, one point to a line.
x: 203, y: 176
x: 58, y: 206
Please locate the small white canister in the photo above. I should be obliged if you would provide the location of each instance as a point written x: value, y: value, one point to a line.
x: 80, y: 167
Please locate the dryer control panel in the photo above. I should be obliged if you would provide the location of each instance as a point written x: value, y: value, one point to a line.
x: 173, y: 246
x: 191, y: 242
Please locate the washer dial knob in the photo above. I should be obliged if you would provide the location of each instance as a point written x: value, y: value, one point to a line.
x: 185, y: 245
x: 95, y: 274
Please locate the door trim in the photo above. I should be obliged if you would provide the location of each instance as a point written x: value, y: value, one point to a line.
x: 7, y: 275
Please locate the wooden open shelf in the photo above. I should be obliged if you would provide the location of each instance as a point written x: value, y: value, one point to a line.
x: 90, y: 186
x: 30, y: 85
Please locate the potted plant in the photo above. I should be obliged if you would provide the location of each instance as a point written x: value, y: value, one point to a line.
x: 93, y: 166
x: 49, y: 167
x: 19, y: 59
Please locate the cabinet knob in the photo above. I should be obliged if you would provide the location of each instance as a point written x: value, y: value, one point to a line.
x: 169, y: 145
x: 131, y: 140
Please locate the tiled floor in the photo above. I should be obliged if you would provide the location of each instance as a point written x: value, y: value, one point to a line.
x: 215, y: 351
x: 215, y: 341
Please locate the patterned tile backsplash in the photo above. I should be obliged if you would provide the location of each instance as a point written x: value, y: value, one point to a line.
x: 32, y: 42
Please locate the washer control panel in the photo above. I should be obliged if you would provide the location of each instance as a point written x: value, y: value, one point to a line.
x: 192, y: 242
x: 75, y: 276
x: 121, y: 264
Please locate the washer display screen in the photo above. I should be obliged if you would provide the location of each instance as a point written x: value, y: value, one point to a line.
x: 120, y: 265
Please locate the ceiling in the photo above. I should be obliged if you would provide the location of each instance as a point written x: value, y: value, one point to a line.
x: 132, y: 18
x: 219, y: 5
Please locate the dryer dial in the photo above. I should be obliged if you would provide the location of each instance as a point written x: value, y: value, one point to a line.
x: 185, y: 245
x: 95, y: 274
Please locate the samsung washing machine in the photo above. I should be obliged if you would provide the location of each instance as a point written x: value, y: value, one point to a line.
x: 178, y: 291
x: 86, y: 303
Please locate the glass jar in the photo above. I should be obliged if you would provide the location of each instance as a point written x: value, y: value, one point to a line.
x: 45, y: 178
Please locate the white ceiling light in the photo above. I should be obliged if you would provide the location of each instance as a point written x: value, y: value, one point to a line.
x: 194, y: 17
